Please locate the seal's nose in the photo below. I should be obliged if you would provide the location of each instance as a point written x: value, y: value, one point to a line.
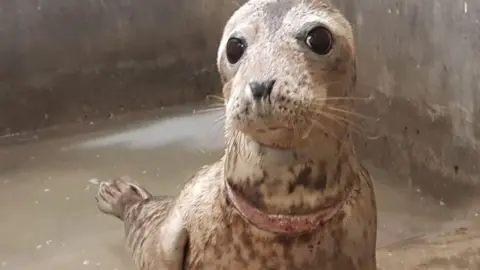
x: 261, y: 89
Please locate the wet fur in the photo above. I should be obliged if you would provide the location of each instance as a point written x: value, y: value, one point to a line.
x: 200, y: 229
x: 158, y: 229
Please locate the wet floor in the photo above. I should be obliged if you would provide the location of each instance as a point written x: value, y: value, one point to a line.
x: 48, y: 181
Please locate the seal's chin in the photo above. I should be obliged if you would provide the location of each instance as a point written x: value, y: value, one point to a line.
x: 274, y: 137
x: 279, y: 223
x: 279, y: 137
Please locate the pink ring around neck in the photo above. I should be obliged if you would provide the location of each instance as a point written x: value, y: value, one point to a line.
x: 279, y: 222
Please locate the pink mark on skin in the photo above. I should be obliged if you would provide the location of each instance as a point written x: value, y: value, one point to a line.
x: 279, y: 222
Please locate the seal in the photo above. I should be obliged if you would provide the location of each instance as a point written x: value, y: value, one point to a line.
x: 289, y: 192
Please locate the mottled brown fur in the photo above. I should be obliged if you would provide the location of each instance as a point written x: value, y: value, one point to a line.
x: 291, y: 154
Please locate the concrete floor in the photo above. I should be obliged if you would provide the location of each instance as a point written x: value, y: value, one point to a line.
x: 48, y: 180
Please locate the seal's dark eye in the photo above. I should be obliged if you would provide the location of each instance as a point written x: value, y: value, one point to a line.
x: 319, y: 40
x: 235, y: 49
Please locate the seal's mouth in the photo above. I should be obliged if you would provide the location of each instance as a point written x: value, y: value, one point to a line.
x: 281, y: 128
x: 266, y: 137
x: 279, y: 223
x: 278, y: 136
x: 273, y: 128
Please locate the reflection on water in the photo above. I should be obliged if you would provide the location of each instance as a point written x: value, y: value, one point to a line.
x: 193, y: 131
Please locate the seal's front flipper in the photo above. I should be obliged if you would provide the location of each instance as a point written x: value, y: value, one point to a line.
x: 155, y: 231
x: 117, y: 196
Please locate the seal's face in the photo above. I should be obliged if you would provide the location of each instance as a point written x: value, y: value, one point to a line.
x: 284, y: 63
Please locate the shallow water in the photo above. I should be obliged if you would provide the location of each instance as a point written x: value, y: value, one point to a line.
x: 48, y: 181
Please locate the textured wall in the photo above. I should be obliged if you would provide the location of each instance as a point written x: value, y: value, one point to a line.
x: 78, y: 60
x: 419, y: 60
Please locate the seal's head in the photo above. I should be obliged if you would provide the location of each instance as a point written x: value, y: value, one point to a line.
x: 287, y: 68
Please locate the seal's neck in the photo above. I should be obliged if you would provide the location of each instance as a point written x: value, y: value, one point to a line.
x: 294, y: 181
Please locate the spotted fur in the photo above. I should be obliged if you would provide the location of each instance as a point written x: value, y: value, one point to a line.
x: 305, y: 165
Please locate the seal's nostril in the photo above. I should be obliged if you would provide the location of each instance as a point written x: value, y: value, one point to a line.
x: 261, y: 89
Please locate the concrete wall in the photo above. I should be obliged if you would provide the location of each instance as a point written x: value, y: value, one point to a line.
x: 78, y: 60
x: 419, y: 60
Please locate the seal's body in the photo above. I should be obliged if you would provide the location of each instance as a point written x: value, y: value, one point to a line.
x: 289, y: 192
